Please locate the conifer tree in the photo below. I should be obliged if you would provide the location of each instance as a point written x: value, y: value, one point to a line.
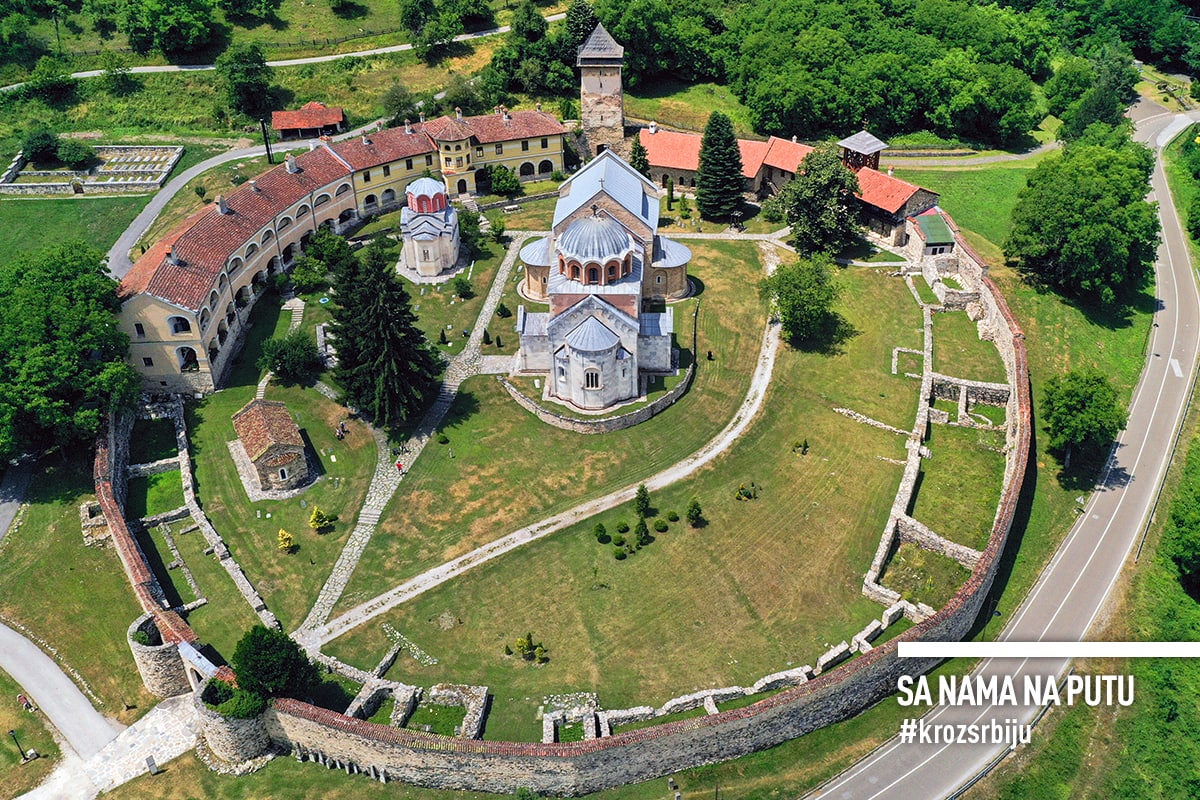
x: 639, y: 159
x: 581, y: 21
x: 319, y: 520
x: 385, y: 365
x: 719, y: 182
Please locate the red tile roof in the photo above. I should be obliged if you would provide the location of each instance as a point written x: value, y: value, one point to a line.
x: 785, y: 154
x: 205, y: 246
x: 385, y: 146
x: 262, y: 423
x: 491, y: 128
x: 138, y: 277
x: 884, y: 191
x: 310, y: 115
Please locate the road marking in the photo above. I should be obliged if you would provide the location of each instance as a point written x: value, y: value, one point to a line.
x: 1175, y: 368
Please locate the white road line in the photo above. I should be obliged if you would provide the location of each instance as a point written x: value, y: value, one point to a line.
x: 1175, y: 368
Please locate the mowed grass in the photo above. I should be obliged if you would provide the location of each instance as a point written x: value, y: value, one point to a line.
x: 535, y: 215
x: 676, y: 104
x: 32, y: 733
x: 54, y: 585
x: 222, y: 621
x: 158, y: 555
x: 288, y: 582
x: 438, y: 308
x: 922, y: 576
x: 459, y: 496
x: 960, y: 483
x: 780, y: 575
x: 152, y: 440
x: 31, y: 223
x: 959, y: 352
x: 155, y: 494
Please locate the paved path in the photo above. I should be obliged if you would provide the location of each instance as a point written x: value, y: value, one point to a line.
x: 292, y: 62
x: 12, y: 492
x: 745, y: 415
x: 1074, y: 588
x: 968, y: 161
x: 85, y: 729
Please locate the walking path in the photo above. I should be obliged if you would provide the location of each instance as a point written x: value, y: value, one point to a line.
x: 296, y: 307
x: 12, y: 492
x: 387, y: 476
x: 755, y: 395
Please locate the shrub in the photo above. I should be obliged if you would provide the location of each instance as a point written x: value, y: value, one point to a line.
x: 443, y: 439
x: 294, y: 358
x: 286, y: 540
x: 505, y: 181
x: 622, y: 527
x: 270, y: 663
x: 243, y: 705
x: 141, y: 637
x: 599, y: 531
x: 772, y: 210
x: 462, y: 287
x: 319, y: 521
x: 618, y: 539
x: 1193, y: 216
x: 503, y: 312
x: 641, y: 533
x: 40, y: 145
x: 75, y: 154
x: 558, y: 176
x: 496, y: 230
x: 619, y: 553
x: 660, y: 525
x: 200, y: 190
x: 217, y: 692
x: 641, y: 501
x: 695, y: 516
x: 672, y: 516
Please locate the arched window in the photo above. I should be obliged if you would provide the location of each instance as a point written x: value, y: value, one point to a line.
x: 545, y: 167
x: 322, y: 199
x: 212, y: 299
x: 222, y: 282
x: 188, y: 362
x: 179, y: 325
x: 283, y: 473
x: 285, y: 223
x: 370, y: 200
x: 267, y: 237
x: 341, y: 190
x: 574, y: 272
x: 612, y: 272
x: 234, y: 265
x: 251, y: 250
x: 302, y: 211
x: 205, y: 317
x: 658, y: 278
x: 591, y: 379
x: 527, y: 169
x: 389, y: 196
x: 593, y: 275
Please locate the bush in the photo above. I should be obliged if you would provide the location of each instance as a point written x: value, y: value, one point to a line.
x: 294, y: 358
x: 496, y: 230
x: 599, y: 531
x: 618, y: 539
x: 270, y: 663
x: 503, y: 312
x: 243, y: 705
x: 504, y: 181
x: 772, y: 210
x: 672, y: 516
x: 141, y: 637
x: 443, y: 439
x: 619, y: 553
x: 622, y: 527
x: 310, y: 275
x: 217, y: 692
x: 1193, y: 216
x: 660, y: 525
x: 462, y: 287
x: 40, y: 146
x: 558, y: 176
x: 75, y: 154
x: 641, y: 533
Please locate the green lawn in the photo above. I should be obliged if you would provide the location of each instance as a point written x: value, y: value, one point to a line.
x: 959, y: 352
x: 32, y: 733
x: 449, y: 505
x: 220, y: 623
x: 783, y: 572
x: 49, y: 581
x: 439, y: 309
x: 31, y: 223
x: 922, y: 576
x: 433, y: 718
x: 960, y: 483
x: 536, y: 215
x: 152, y: 440
x: 676, y: 104
x: 153, y: 495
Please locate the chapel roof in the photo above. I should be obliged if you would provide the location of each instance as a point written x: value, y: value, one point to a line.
x: 263, y: 423
x: 612, y: 175
x: 309, y: 115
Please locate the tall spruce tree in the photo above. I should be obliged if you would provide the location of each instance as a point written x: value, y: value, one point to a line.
x: 719, y: 182
x: 581, y: 21
x: 639, y: 159
x: 385, y: 365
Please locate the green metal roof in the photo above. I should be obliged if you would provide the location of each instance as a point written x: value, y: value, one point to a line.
x: 934, y: 229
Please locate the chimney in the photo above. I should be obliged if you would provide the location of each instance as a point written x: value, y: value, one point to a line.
x: 507, y: 116
x: 171, y: 255
x: 291, y: 164
x: 254, y: 186
x: 222, y: 206
x: 496, y: 110
x: 539, y: 106
x: 890, y: 171
x: 458, y: 113
x: 407, y: 127
x: 365, y: 140
x: 422, y: 117
x: 793, y: 138
x: 653, y: 127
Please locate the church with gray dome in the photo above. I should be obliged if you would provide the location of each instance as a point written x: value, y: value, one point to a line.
x: 606, y: 274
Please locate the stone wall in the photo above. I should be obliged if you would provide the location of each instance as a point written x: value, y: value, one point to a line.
x: 159, y: 663
x: 234, y: 740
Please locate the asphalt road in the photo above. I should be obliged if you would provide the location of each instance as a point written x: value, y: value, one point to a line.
x: 1074, y: 587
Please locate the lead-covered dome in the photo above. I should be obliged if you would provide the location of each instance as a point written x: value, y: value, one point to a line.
x: 594, y: 238
x: 426, y: 187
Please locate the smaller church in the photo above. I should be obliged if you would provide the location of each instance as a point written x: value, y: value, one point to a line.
x: 606, y: 274
x: 429, y: 229
x: 272, y: 443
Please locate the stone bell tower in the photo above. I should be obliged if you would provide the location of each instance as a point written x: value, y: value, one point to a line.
x: 601, y: 102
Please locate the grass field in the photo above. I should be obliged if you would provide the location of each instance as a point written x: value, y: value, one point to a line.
x: 685, y: 106
x: 449, y: 503
x: 155, y: 494
x: 922, y: 576
x: 958, y: 350
x: 31, y: 731
x: 288, y: 582
x: 960, y: 483
x: 159, y: 555
x: 439, y: 309
x: 49, y: 581
x: 768, y: 563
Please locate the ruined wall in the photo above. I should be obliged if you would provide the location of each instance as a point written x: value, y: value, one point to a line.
x: 158, y: 662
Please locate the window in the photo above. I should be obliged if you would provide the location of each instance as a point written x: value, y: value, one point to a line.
x: 140, y: 330
x: 341, y: 190
x: 302, y: 211
x: 251, y: 250
x: 321, y: 200
x: 408, y: 163
x: 562, y: 372
x: 283, y: 473
x: 147, y: 361
x: 458, y: 161
x: 267, y: 237
x: 424, y: 254
x: 545, y: 143
x: 612, y: 271
x: 285, y: 223
x: 457, y: 147
x: 387, y: 170
x: 429, y: 161
x: 524, y: 144
x: 446, y: 148
x: 499, y: 149
x: 591, y: 379
x: 180, y: 325
x: 937, y: 251
x: 367, y: 176
x: 449, y: 162
x: 658, y: 278
x: 479, y: 152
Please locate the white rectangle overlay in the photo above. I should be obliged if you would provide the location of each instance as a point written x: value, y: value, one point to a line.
x: 1048, y: 649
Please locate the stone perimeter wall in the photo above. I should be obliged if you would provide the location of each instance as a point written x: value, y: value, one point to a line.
x: 569, y: 769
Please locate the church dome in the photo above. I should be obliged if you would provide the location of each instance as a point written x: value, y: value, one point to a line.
x: 426, y: 187
x: 593, y: 336
x: 594, y: 238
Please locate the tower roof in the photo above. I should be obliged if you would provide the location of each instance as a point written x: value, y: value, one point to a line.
x: 592, y: 336
x: 426, y: 187
x: 600, y: 47
x: 863, y: 142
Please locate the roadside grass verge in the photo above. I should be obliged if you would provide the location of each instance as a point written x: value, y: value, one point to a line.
x: 50, y: 582
x: 33, y: 733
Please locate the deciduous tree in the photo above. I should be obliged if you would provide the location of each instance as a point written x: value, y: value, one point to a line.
x: 167, y: 26
x: 803, y: 294
x: 245, y: 77
x: 1081, y: 409
x: 819, y: 204
x: 269, y: 663
x: 719, y: 181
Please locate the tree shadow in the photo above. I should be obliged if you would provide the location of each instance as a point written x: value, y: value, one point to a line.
x: 448, y: 51
x: 1086, y: 471
x: 1116, y: 315
x: 830, y: 339
x: 278, y: 97
x: 331, y: 695
x: 465, y: 406
x: 348, y: 9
